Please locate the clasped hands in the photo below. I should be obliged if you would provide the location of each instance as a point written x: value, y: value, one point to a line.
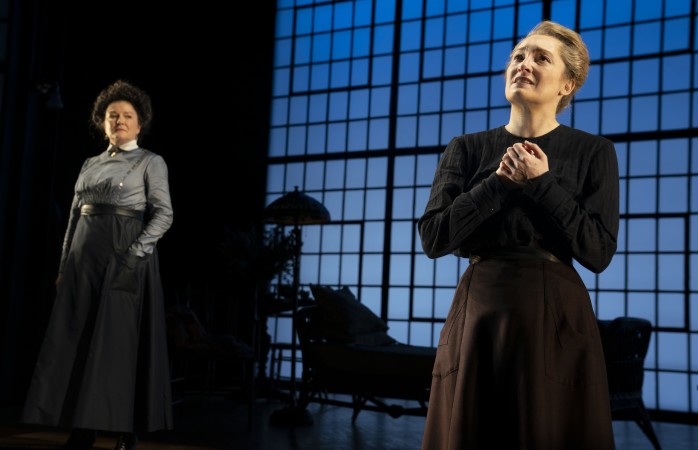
x: 521, y: 163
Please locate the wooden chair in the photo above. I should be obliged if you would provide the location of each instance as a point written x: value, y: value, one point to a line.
x: 195, y: 355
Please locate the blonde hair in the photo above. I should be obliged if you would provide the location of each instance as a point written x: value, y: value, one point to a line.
x: 574, y: 54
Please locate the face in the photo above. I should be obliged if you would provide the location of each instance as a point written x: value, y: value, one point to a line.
x: 536, y: 73
x: 121, y: 123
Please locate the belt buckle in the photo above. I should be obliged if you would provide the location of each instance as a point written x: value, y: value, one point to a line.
x: 474, y: 259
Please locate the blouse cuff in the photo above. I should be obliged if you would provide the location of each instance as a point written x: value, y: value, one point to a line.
x: 546, y: 192
x: 137, y: 249
x: 490, y: 195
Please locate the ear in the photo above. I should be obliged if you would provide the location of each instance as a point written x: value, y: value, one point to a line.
x: 568, y: 87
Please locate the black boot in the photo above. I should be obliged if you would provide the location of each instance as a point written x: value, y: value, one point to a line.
x: 80, y: 439
x: 127, y: 441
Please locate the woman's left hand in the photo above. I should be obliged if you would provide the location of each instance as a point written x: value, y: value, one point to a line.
x: 523, y: 162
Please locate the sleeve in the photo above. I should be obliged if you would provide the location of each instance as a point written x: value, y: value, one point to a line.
x: 70, y: 231
x: 159, y: 207
x: 588, y: 224
x: 453, y: 214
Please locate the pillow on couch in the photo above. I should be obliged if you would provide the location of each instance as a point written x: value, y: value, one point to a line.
x: 345, y: 319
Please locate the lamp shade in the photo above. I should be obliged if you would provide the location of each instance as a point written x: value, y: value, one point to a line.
x: 296, y: 208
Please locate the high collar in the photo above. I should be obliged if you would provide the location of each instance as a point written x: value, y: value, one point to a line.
x: 127, y: 147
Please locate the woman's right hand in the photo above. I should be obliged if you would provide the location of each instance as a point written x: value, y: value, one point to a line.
x: 522, y: 163
x: 127, y: 272
x: 59, y: 278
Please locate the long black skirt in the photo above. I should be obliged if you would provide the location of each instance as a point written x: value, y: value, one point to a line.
x: 103, y: 363
x: 519, y: 363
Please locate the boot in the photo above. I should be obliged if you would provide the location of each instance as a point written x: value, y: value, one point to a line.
x: 127, y: 441
x: 80, y: 439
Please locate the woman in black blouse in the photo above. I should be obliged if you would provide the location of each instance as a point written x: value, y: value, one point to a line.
x: 103, y: 363
x: 519, y: 362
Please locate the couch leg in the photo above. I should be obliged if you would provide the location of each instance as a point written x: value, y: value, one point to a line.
x: 359, y: 403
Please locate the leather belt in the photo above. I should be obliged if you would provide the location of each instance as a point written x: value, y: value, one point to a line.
x: 517, y: 253
x: 100, y: 208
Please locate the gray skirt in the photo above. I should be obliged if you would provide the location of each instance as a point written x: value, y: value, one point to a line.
x: 103, y: 363
x: 519, y: 363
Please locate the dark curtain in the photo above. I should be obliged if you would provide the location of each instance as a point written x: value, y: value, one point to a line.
x: 210, y: 83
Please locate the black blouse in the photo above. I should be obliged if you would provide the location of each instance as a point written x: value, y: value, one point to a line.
x: 571, y: 210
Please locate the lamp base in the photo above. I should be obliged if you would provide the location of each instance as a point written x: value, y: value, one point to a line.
x: 294, y: 416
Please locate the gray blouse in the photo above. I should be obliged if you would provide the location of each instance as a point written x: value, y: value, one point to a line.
x: 135, y: 179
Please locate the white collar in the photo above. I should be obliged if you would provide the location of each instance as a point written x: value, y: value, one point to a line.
x: 127, y: 147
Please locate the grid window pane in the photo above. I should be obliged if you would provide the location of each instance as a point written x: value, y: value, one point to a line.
x: 454, y: 61
x: 673, y: 391
x: 611, y: 305
x: 382, y: 70
x: 673, y: 194
x: 616, y: 79
x: 646, y: 38
x: 642, y: 197
x: 673, y: 156
x: 672, y: 235
x: 645, y: 113
x: 617, y: 42
x: 373, y: 236
x: 479, y: 58
x: 564, y: 12
x: 428, y: 130
x: 645, y: 76
x: 409, y: 67
x: 642, y: 235
x: 672, y: 350
x: 354, y: 205
x: 671, y: 313
x: 647, y: 9
x: 367, y: 144
x: 642, y: 305
x: 671, y: 273
x: 641, y: 272
x: 402, y: 205
x: 423, y: 271
x: 434, y: 32
x: 433, y: 61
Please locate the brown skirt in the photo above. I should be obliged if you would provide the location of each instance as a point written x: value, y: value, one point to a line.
x: 519, y: 363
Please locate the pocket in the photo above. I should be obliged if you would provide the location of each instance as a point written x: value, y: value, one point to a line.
x: 448, y: 350
x: 126, y: 273
x: 573, y: 352
x: 457, y: 306
x: 457, y: 309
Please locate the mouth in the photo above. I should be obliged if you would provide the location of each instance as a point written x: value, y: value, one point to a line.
x: 521, y: 80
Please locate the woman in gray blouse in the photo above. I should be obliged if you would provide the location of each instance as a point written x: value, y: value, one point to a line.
x: 103, y: 363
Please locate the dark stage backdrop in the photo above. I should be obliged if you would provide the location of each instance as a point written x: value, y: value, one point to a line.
x: 208, y: 71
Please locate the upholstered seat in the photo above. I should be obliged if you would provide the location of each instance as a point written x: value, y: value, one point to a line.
x: 347, y: 350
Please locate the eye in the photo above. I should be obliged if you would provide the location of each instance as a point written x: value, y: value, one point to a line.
x: 518, y: 57
x: 544, y: 58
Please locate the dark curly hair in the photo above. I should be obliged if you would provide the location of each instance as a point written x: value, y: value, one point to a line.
x: 122, y: 90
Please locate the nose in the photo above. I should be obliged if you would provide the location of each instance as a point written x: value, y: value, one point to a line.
x: 524, y: 66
